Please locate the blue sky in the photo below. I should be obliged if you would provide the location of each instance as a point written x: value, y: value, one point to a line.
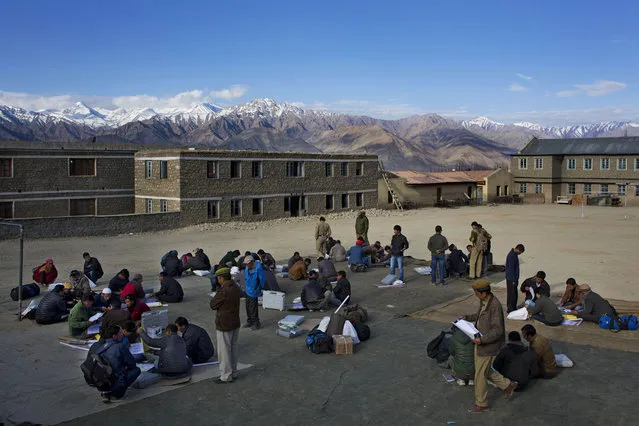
x: 556, y: 62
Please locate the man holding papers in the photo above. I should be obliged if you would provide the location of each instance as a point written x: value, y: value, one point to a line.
x: 489, y: 321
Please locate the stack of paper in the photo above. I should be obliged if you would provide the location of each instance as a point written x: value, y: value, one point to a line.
x: 136, y: 348
x: 96, y: 317
x: 468, y: 328
x: 94, y: 329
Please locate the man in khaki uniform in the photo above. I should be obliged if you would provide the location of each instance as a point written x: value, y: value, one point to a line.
x: 479, y: 238
x: 489, y: 320
x: 322, y: 232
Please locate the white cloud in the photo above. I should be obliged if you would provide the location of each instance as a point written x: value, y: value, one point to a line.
x: 516, y: 87
x: 360, y: 107
x: 36, y: 102
x: 524, y: 77
x: 569, y: 117
x: 598, y: 88
x: 233, y: 92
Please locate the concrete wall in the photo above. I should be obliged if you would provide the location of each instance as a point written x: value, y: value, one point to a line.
x: 501, y: 178
x: 421, y: 195
x: 85, y: 226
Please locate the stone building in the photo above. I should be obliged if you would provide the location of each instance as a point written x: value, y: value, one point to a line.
x: 564, y: 168
x: 54, y: 179
x: 214, y: 185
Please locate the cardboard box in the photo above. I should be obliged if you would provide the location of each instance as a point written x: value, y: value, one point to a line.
x: 343, y: 345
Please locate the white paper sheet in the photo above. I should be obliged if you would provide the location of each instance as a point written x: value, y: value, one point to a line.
x: 468, y: 328
x: 136, y: 349
x: 94, y: 329
x: 74, y: 346
x: 201, y: 273
x: 96, y: 317
x: 576, y: 322
x: 145, y: 366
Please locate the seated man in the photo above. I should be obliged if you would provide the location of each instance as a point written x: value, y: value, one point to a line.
x: 326, y: 269
x: 377, y: 252
x: 385, y: 259
x: 135, y: 307
x: 268, y: 261
x: 173, y: 362
x: 456, y: 262
x: 314, y: 297
x: 102, y: 301
x: 298, y: 270
x: 337, y: 252
x: 571, y: 300
x: 544, y: 310
x: 46, y: 273
x: 528, y: 287
x: 92, y: 268
x: 52, y: 307
x: 594, y: 305
x: 228, y: 260
x: 79, y: 317
x: 294, y: 259
x: 541, y: 346
x: 137, y: 281
x: 130, y: 332
x: 171, y: 264
x: 356, y: 255
x: 114, y: 315
x: 118, y: 282
x: 330, y: 243
x: 67, y: 294
x: 516, y: 361
x: 341, y: 290
x: 198, y: 342
x: 199, y: 262
x: 170, y: 289
x: 122, y: 363
x: 80, y: 283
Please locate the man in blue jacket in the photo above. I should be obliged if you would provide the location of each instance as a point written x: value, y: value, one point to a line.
x: 357, y: 256
x: 512, y: 276
x: 254, y: 279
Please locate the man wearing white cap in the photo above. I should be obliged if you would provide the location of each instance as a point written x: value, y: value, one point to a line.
x: 101, y: 301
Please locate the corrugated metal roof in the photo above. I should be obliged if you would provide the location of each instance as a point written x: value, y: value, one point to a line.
x: 433, y: 178
x: 584, y: 146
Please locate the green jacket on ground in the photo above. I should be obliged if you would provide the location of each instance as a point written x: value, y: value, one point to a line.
x: 463, y: 351
x: 79, y: 319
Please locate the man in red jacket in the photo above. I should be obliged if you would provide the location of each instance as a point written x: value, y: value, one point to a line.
x: 136, y: 307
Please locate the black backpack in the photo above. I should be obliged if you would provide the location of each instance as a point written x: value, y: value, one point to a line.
x: 438, y: 347
x: 28, y: 291
x: 97, y: 371
x: 319, y: 342
x: 363, y: 331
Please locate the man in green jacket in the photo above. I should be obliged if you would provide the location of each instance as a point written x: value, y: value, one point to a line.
x: 361, y: 226
x: 79, y: 316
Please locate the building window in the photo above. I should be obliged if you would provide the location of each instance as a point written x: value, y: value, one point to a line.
x: 164, y: 170
x: 213, y: 209
x: 637, y: 190
x: 343, y: 169
x: 6, y: 167
x: 236, y: 169
x: 587, y: 188
x: 211, y: 169
x: 344, y: 201
x: 329, y: 169
x: 303, y: 202
x: 523, y: 163
x: 81, y: 166
x: 359, y: 199
x: 571, y: 189
x: 621, y: 164
x: 329, y: 202
x: 256, y: 169
x: 236, y: 208
x: 82, y: 207
x: 359, y: 169
x: 522, y: 188
x: 287, y: 204
x: 539, y: 163
x: 539, y: 188
x: 604, y: 164
x: 149, y: 205
x: 621, y: 189
x: 257, y: 206
x: 294, y: 168
x: 6, y: 209
x: 636, y: 163
x: 587, y: 163
x: 164, y: 206
x: 572, y: 164
x: 148, y: 169
x: 603, y: 188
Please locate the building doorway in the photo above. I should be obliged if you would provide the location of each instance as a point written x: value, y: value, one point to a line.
x: 498, y: 192
x: 439, y: 194
x: 295, y: 206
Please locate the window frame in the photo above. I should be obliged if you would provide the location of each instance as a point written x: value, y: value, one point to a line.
x: 76, y: 200
x: 329, y: 169
x: 359, y: 199
x: 539, y: 188
x: 571, y: 189
x: 164, y: 206
x: 523, y: 188
x: 260, y: 202
x: 585, y: 166
x: 95, y: 167
x: 343, y: 164
x: 148, y: 169
x: 215, y: 203
x: 637, y: 190
x: 601, y: 188
x: 540, y: 161
x: 12, y: 207
x: 636, y: 163
x: 238, y: 204
x: 259, y: 169
x: 572, y: 161
x: 295, y: 169
x: 601, y: 163
x: 359, y: 168
x: 625, y: 163
x: 212, y: 169
x: 148, y: 206
x: 587, y: 188
x: 239, y: 169
x: 330, y: 197
x: 622, y: 189
x: 2, y: 169
x: 164, y: 169
x: 523, y: 161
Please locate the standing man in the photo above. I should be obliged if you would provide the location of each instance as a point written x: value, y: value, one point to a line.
x: 361, y: 226
x: 489, y: 320
x: 437, y: 245
x: 322, y: 232
x: 92, y: 267
x: 254, y: 279
x: 227, y: 324
x: 399, y: 244
x: 479, y: 239
x: 512, y: 276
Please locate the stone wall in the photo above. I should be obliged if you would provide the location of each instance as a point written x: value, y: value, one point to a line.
x: 86, y: 226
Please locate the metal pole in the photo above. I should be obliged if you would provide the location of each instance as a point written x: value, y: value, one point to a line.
x: 21, y: 264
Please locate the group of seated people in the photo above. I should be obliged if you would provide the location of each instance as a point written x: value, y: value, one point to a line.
x: 515, y: 360
x: 318, y: 294
x: 177, y: 354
